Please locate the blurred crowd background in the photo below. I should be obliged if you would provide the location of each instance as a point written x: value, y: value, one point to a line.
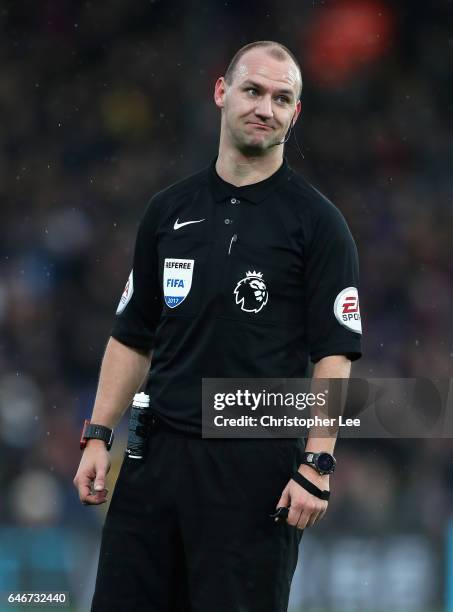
x: 104, y: 103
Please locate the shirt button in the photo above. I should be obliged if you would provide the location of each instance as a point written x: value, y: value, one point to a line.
x: 228, y: 221
x: 235, y: 201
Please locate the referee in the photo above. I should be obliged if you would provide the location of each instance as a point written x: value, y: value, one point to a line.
x: 241, y: 270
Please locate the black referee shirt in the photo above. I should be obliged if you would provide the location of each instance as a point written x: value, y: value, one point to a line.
x: 237, y: 282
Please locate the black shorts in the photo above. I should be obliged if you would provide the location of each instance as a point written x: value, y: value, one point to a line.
x: 188, y: 528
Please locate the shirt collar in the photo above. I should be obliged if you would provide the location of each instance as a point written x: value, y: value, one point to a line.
x: 253, y: 193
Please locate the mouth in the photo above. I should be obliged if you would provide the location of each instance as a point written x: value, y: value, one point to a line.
x: 259, y: 126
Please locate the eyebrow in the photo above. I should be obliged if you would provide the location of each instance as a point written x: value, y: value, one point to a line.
x: 249, y: 83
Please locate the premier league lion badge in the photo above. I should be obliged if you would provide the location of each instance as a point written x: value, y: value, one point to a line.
x: 251, y: 292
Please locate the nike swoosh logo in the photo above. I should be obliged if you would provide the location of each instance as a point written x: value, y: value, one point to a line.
x: 177, y: 225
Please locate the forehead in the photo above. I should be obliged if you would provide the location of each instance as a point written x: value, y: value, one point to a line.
x: 259, y: 64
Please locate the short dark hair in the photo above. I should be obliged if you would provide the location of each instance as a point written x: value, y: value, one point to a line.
x: 276, y: 49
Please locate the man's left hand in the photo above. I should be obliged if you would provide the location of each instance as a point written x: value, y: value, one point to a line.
x: 305, y: 509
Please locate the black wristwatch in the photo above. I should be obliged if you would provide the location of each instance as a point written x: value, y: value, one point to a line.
x: 98, y: 432
x: 323, y: 463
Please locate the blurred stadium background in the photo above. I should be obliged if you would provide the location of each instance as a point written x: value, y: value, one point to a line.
x: 102, y: 104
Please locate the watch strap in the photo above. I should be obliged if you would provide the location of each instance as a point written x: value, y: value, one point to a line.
x: 97, y: 432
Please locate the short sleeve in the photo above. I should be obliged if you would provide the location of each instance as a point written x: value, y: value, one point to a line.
x: 139, y: 308
x: 332, y: 281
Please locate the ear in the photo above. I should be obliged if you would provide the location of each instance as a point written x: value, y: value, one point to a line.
x: 296, y: 112
x: 219, y: 92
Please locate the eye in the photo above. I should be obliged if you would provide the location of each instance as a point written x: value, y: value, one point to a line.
x: 282, y: 99
x: 252, y: 91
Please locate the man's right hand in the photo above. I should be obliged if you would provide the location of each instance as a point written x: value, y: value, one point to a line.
x: 93, y: 469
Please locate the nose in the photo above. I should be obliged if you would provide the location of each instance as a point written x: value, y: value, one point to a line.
x: 263, y: 107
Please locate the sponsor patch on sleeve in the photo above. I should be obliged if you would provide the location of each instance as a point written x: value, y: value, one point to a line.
x: 127, y: 294
x: 347, y: 309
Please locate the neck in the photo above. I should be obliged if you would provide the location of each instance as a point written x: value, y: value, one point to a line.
x: 241, y: 169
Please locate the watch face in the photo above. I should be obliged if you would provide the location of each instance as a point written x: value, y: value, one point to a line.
x: 325, y: 462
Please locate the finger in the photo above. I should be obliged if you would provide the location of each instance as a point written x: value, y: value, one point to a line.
x: 96, y: 498
x: 94, y: 502
x: 99, y: 483
x: 84, y: 488
x: 323, y: 512
x: 281, y: 515
x: 302, y: 512
x: 294, y: 515
x: 313, y: 518
x: 302, y: 522
x: 284, y: 500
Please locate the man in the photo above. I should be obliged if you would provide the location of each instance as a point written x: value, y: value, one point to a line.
x: 239, y: 271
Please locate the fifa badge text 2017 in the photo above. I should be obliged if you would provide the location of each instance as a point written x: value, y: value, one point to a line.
x: 177, y: 280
